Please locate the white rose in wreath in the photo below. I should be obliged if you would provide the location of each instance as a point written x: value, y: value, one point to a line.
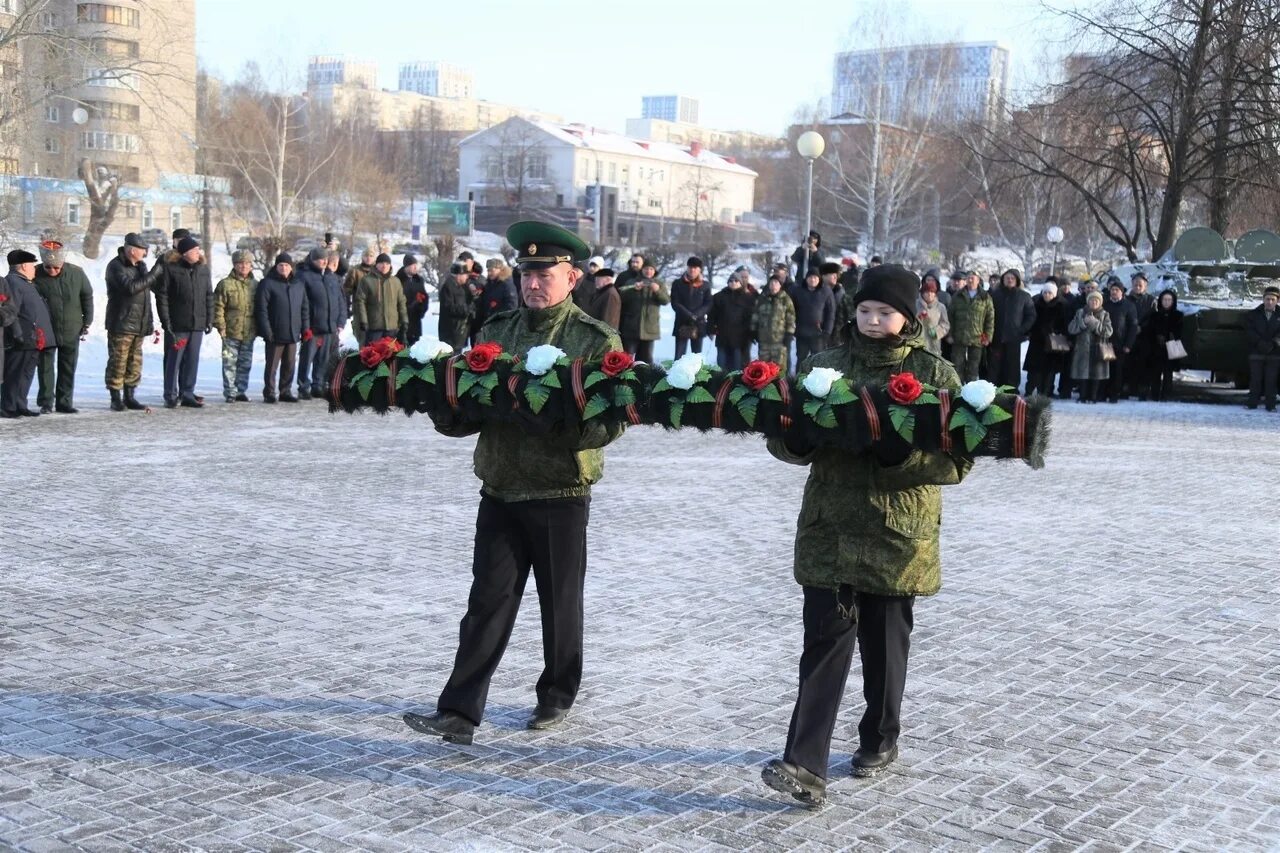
x: 425, y: 349
x: 542, y: 358
x: 979, y: 393
x: 819, y: 381
x: 684, y: 371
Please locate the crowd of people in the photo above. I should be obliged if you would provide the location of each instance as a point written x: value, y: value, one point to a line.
x: 1081, y: 340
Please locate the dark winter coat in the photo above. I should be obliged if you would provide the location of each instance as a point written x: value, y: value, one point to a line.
x: 692, y: 304
x: 338, y: 311
x: 815, y: 311
x: 499, y: 295
x: 416, y: 300
x: 281, y: 310
x: 1051, y: 318
x: 1015, y: 315
x: 70, y: 299
x: 642, y: 308
x: 455, y: 309
x: 379, y: 305
x: 1145, y: 305
x: 1124, y: 323
x: 129, y: 296
x: 1263, y: 334
x: 8, y: 317
x: 33, y: 316
x: 730, y: 317
x: 1161, y: 327
x: 626, y: 277
x: 326, y: 304
x: 604, y: 304
x: 816, y: 259
x: 184, y: 297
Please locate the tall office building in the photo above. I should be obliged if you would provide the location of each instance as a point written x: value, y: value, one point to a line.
x: 438, y: 79
x: 669, y: 108
x: 951, y: 82
x: 341, y: 70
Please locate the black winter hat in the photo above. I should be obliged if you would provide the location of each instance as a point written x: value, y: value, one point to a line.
x: 186, y: 244
x: 179, y: 233
x: 829, y: 268
x: 409, y: 260
x: 604, y: 273
x: 20, y: 256
x: 892, y: 284
x: 317, y: 254
x: 695, y: 261
x: 466, y: 256
x: 283, y: 258
x: 136, y: 241
x: 383, y: 258
x: 457, y: 269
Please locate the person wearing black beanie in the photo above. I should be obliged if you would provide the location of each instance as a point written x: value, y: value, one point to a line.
x: 890, y: 497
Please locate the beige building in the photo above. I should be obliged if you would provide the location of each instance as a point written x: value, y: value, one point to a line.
x: 341, y: 70
x: 439, y: 79
x: 684, y: 133
x: 387, y: 110
x: 123, y: 98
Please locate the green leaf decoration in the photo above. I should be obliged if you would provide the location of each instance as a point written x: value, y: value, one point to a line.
x: 770, y: 392
x: 592, y: 378
x: 467, y: 380
x: 427, y: 373
x: 826, y: 417
x: 383, y: 371
x: 704, y: 373
x: 962, y: 417
x: 973, y: 435
x: 926, y: 398
x: 738, y: 392
x: 698, y: 394
x: 537, y: 396
x: 595, y: 406
x: 747, y: 408
x: 904, y: 421
x: 677, y: 412
x: 551, y: 379
x: 364, y: 385
x: 403, y: 377
x: 994, y: 415
x: 811, y: 408
x: 628, y: 375
x: 840, y: 394
x: 485, y: 397
x: 661, y: 385
x: 624, y: 396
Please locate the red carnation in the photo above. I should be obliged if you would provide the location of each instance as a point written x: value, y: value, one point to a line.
x: 307, y: 334
x: 758, y: 374
x: 421, y: 297
x: 179, y: 343
x: 904, y: 388
x: 615, y: 362
x: 40, y: 341
x: 481, y: 356
x: 4, y: 297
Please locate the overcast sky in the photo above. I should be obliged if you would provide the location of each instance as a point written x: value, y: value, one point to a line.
x: 749, y: 63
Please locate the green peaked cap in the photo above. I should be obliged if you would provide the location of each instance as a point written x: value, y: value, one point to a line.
x: 541, y: 244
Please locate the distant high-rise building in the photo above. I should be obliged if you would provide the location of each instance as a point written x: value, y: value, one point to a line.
x: 952, y: 82
x: 669, y: 108
x: 327, y: 70
x: 438, y: 79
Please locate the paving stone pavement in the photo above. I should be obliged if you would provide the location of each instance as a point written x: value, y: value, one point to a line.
x: 210, y: 623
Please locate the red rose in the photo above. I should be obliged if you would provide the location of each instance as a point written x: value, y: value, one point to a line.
x: 758, y: 374
x: 904, y: 388
x: 616, y: 362
x: 370, y: 356
x: 481, y: 356
x: 421, y: 297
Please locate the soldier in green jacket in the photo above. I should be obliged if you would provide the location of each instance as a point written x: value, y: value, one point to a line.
x: 233, y: 307
x: 66, y: 290
x: 774, y: 324
x: 643, y: 296
x: 533, y: 503
x: 866, y: 545
x: 973, y: 322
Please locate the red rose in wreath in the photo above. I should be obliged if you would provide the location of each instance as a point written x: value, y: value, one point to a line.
x: 759, y: 374
x: 904, y: 388
x: 481, y: 357
x: 615, y: 362
x: 377, y: 352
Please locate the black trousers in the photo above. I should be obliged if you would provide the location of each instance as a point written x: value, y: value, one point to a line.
x: 833, y: 620
x: 1264, y: 376
x: 642, y: 350
x: 683, y: 345
x: 19, y: 370
x: 61, y: 389
x: 1005, y: 363
x: 807, y: 346
x: 549, y: 537
x: 1116, y: 384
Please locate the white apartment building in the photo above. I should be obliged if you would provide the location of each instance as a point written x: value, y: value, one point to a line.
x: 669, y: 108
x: 438, y: 79
x: 340, y: 70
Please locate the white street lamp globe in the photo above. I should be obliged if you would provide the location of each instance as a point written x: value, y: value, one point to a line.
x: 1055, y: 235
x: 811, y: 145
x: 80, y: 115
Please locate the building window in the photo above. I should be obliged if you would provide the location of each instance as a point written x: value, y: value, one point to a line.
x: 582, y: 173
x: 52, y: 145
x: 114, y: 78
x: 48, y: 20
x: 103, y: 140
x: 148, y: 217
x: 537, y: 167
x: 104, y: 13
x: 28, y: 208
x: 175, y: 218
x: 126, y: 174
x: 8, y: 165
x: 73, y: 212
x: 114, y: 48
x: 52, y: 114
x: 613, y: 173
x: 130, y: 210
x: 113, y: 110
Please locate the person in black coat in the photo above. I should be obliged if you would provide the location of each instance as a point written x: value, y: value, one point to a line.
x: 30, y: 333
x: 729, y: 322
x: 815, y: 315
x: 814, y: 244
x: 691, y: 299
x: 326, y: 307
x: 129, y: 320
x: 1043, y: 362
x: 499, y: 292
x: 8, y: 319
x: 184, y: 301
x: 1163, y: 325
x: 1262, y: 330
x: 282, y: 316
x: 1015, y: 315
x: 415, y: 296
x: 1124, y: 336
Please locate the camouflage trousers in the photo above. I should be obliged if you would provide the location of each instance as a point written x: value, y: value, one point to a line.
x: 124, y: 360
x: 237, y: 359
x: 777, y: 353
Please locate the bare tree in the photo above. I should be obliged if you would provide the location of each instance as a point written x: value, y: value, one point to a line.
x: 695, y: 199
x: 516, y: 161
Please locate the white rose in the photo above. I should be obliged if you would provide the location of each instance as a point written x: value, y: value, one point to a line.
x: 684, y: 371
x: 425, y: 349
x: 820, y: 379
x: 979, y: 393
x: 542, y: 358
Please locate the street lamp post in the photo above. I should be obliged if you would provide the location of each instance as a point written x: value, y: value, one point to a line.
x: 1054, y: 235
x: 810, y: 146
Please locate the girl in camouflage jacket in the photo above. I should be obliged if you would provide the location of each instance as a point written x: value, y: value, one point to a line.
x: 866, y: 545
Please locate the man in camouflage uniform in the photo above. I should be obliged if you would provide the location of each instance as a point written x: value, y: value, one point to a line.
x: 233, y: 308
x: 774, y: 324
x: 534, y: 502
x: 128, y: 320
x: 973, y: 321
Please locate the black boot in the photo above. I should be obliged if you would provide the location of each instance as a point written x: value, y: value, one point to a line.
x: 449, y: 725
x: 117, y: 405
x: 131, y: 402
x: 802, y: 785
